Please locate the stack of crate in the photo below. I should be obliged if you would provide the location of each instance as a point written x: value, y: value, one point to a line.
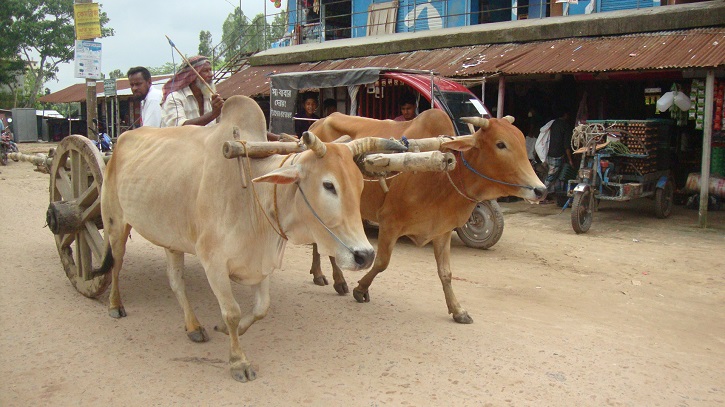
x: 641, y: 137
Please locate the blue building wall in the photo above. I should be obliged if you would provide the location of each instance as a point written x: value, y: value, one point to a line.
x: 421, y: 15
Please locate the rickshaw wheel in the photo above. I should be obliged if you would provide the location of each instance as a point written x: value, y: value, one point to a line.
x: 664, y: 200
x: 76, y: 176
x: 581, y: 211
x: 485, y: 226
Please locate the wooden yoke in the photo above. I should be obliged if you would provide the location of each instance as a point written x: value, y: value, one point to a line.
x: 260, y: 149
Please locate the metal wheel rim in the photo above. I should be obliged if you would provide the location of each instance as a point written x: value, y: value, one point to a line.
x: 77, y: 175
x: 480, y: 225
x: 583, y: 211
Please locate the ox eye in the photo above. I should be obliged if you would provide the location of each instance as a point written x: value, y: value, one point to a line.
x: 501, y: 145
x: 329, y: 187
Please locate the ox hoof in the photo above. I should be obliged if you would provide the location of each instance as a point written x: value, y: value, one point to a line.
x: 244, y: 374
x: 117, y: 312
x: 360, y: 295
x: 463, y: 318
x: 341, y: 288
x: 198, y: 335
x: 320, y: 280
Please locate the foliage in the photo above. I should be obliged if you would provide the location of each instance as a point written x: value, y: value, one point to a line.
x: 166, y: 68
x: 240, y: 35
x: 66, y: 109
x: 232, y: 34
x: 116, y: 73
x: 46, y: 34
x: 278, y: 27
x: 205, y: 45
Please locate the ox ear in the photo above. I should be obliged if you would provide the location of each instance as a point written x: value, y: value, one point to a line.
x: 286, y: 175
x: 463, y: 143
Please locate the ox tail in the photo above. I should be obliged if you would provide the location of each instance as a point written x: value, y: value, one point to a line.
x: 107, y: 264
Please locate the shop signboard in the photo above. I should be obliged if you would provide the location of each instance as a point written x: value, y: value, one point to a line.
x: 88, y: 60
x: 109, y: 87
x: 87, y: 21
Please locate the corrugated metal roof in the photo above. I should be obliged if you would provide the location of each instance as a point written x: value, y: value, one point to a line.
x: 77, y: 92
x: 695, y: 48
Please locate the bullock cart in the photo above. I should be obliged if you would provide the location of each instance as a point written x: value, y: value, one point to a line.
x: 76, y: 169
x: 616, y: 165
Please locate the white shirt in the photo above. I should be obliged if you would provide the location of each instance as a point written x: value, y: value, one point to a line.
x: 151, y: 108
x: 181, y: 106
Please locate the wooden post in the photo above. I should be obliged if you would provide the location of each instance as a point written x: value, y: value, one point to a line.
x: 91, y: 102
x: 501, y: 93
x: 706, y: 148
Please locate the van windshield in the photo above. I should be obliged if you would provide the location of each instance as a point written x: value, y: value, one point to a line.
x: 463, y: 104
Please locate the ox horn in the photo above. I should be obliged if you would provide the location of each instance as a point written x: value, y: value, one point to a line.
x: 371, y: 144
x: 476, y: 121
x: 509, y: 119
x: 314, y: 144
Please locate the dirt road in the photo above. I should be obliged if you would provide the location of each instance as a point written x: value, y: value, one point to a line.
x: 629, y: 314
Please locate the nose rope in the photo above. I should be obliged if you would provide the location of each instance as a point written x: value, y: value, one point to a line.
x: 473, y: 170
x: 320, y: 220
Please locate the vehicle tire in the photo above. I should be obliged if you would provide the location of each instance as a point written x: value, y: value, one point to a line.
x: 664, y: 200
x: 485, y: 226
x: 581, y: 211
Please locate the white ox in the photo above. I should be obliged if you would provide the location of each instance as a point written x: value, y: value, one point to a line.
x: 176, y: 189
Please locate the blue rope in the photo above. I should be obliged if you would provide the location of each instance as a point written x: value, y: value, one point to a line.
x: 473, y: 170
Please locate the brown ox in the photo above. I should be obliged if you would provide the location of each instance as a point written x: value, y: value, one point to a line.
x: 427, y: 206
x: 174, y: 186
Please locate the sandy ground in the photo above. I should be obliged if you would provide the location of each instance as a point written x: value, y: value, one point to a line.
x: 629, y: 314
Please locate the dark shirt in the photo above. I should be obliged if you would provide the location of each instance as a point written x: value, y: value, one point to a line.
x: 301, y: 126
x: 560, y: 138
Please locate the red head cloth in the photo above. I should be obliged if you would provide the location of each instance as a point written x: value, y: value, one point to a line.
x: 184, y: 76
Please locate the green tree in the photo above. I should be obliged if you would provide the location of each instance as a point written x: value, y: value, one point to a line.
x: 166, y: 68
x: 278, y: 27
x: 205, y: 44
x: 232, y: 34
x: 47, y: 38
x: 116, y: 73
x: 11, y: 66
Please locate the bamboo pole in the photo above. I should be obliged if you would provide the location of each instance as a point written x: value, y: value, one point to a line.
x: 187, y: 63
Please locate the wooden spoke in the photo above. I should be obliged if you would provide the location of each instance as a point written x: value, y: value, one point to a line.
x: 63, y: 185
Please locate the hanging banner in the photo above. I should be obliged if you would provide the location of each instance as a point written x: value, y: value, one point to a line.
x: 87, y: 19
x: 88, y: 59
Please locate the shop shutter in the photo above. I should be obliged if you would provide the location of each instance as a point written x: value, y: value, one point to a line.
x: 612, y: 5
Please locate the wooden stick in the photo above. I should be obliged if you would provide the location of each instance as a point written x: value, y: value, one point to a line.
x: 188, y: 63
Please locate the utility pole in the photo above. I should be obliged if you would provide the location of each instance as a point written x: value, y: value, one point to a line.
x: 91, y: 102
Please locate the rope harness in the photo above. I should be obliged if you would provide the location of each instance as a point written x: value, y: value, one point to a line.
x: 473, y: 170
x: 278, y: 229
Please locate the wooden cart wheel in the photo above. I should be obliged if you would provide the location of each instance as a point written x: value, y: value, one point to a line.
x: 485, y: 226
x: 582, y: 212
x: 74, y: 214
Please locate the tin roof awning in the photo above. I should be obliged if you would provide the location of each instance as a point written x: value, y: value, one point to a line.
x: 665, y: 50
x: 77, y: 92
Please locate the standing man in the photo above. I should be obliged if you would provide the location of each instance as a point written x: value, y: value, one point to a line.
x: 559, y: 151
x: 139, y: 78
x: 407, y: 108
x: 189, y: 101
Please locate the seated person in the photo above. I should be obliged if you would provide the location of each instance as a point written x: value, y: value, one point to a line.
x: 407, y: 108
x: 305, y: 118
